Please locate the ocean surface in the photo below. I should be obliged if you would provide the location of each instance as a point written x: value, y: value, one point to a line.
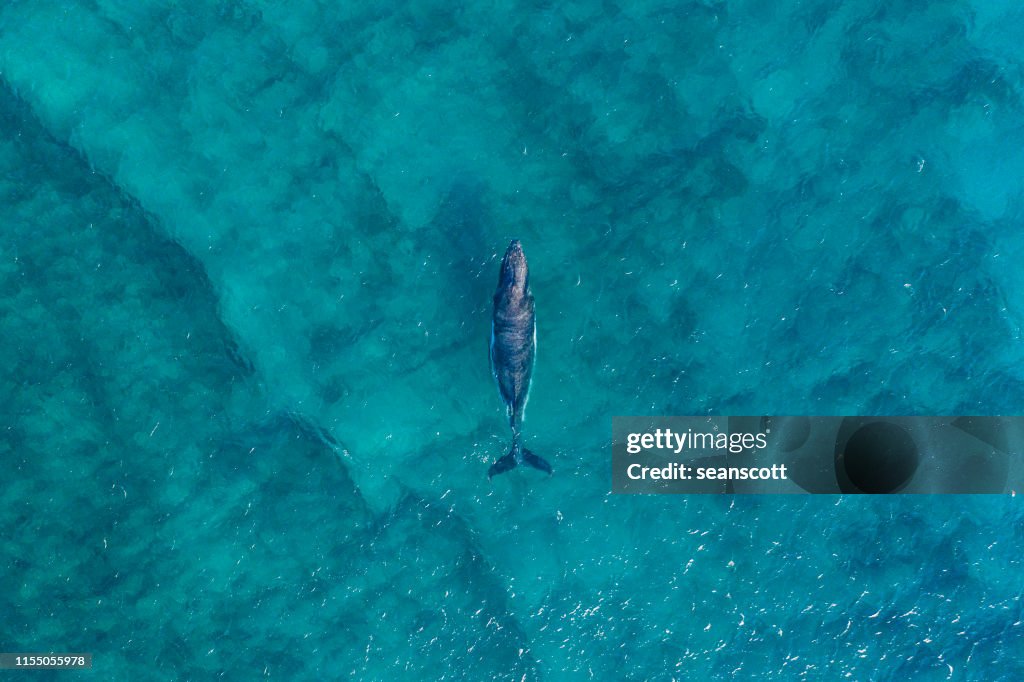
x: 247, y: 257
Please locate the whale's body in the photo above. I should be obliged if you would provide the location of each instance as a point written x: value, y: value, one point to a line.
x: 513, y: 350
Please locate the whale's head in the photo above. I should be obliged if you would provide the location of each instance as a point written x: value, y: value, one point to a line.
x: 514, y: 274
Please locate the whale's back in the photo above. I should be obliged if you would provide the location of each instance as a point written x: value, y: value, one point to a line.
x: 513, y: 348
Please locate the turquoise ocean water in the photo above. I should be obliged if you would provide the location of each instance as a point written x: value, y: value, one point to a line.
x: 246, y: 262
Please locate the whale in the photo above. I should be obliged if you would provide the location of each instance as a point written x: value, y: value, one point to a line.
x: 513, y: 350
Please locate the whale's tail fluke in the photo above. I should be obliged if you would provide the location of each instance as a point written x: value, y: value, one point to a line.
x: 516, y: 455
x: 506, y: 463
x: 536, y: 462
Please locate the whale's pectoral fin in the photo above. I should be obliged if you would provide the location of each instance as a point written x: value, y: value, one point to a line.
x: 504, y: 464
x: 536, y: 462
